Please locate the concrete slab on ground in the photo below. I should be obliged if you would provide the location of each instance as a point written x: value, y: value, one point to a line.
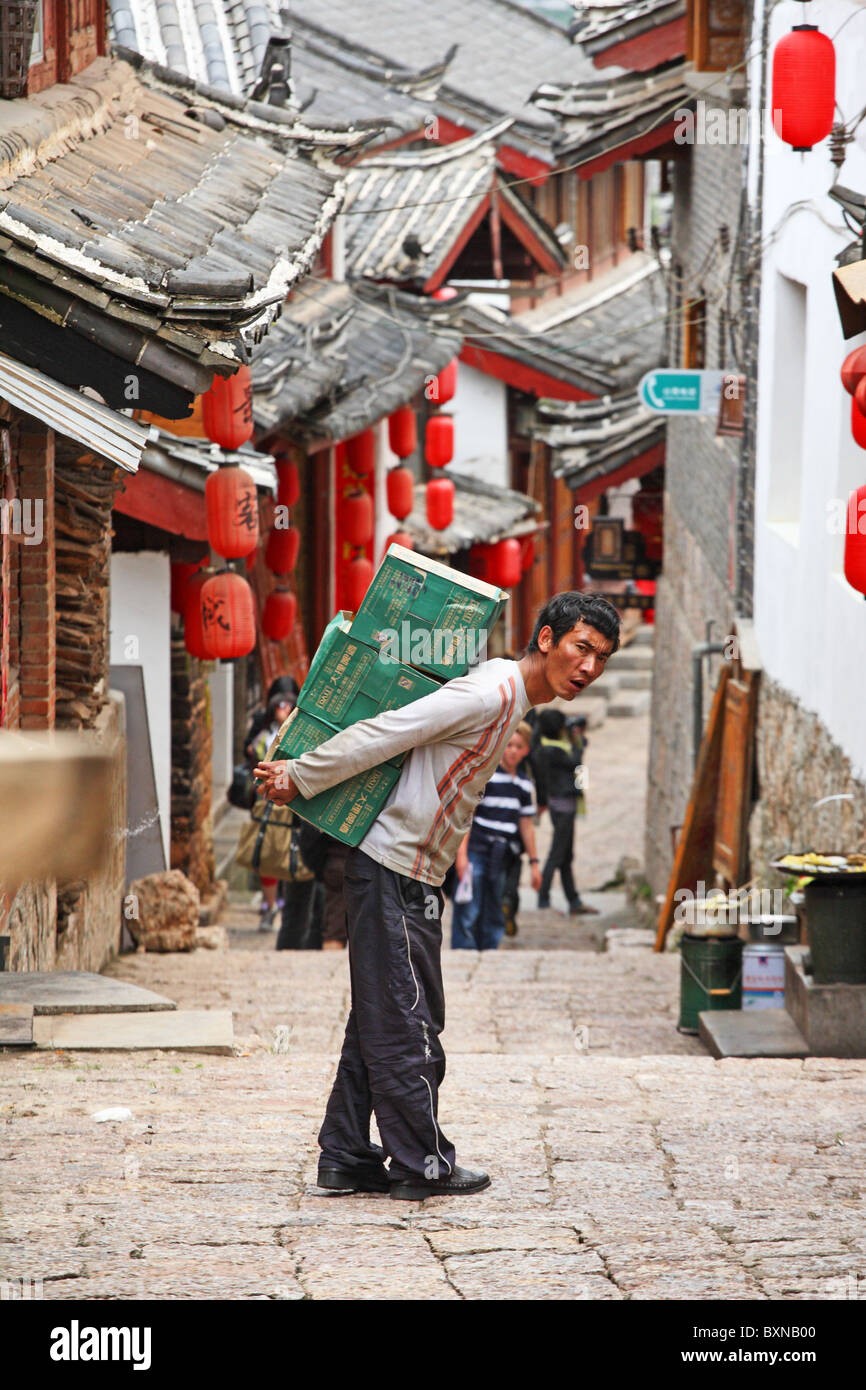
x: 184, y: 1030
x: 751, y: 1033
x: 77, y: 991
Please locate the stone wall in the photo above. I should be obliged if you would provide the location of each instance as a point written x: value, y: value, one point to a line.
x: 700, y: 478
x: 798, y: 763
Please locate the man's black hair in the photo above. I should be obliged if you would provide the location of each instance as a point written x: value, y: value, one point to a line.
x: 564, y: 611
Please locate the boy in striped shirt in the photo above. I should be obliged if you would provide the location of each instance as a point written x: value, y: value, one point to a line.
x: 501, y: 829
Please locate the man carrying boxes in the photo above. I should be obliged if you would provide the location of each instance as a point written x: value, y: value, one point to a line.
x: 442, y: 748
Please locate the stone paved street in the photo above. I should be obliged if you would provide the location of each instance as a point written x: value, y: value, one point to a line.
x: 637, y: 1168
x: 626, y: 1164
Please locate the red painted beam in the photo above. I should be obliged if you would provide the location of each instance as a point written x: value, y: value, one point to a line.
x: 521, y: 376
x: 646, y: 51
x: 635, y: 468
x: 659, y: 135
x: 523, y: 166
x: 160, y: 502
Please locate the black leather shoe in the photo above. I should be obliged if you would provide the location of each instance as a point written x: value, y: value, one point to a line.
x: 353, y: 1179
x: 461, y: 1182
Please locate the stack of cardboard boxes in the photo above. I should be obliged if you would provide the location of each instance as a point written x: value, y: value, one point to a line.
x: 420, y: 624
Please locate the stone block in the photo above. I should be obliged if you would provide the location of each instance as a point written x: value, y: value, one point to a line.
x: 832, y: 1018
x: 168, y: 907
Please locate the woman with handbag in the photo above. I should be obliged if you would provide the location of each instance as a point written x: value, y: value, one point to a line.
x: 279, y: 708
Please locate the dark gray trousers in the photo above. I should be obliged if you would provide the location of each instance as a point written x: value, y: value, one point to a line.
x: 392, y: 1061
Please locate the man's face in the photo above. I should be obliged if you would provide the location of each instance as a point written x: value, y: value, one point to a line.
x: 516, y: 750
x: 576, y: 661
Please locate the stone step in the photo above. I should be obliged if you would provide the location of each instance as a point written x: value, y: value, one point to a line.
x: 644, y: 637
x: 635, y: 680
x: 632, y: 658
x: 629, y: 702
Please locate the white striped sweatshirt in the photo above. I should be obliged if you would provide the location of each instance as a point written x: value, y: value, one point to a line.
x: 456, y: 736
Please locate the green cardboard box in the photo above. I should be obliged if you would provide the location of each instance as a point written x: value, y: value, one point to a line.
x: 421, y: 613
x: 349, y: 680
x: 348, y: 809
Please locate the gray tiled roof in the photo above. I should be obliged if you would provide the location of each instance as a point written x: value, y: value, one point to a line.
x: 483, y: 513
x: 130, y: 221
x: 504, y: 52
x: 598, y: 25
x: 602, y: 115
x: 599, y: 338
x: 341, y: 357
x: 405, y: 210
x: 590, y: 439
x: 224, y: 46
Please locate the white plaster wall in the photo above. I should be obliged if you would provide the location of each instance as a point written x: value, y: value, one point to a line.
x: 140, y: 585
x: 480, y: 426
x: 811, y: 626
x: 221, y: 683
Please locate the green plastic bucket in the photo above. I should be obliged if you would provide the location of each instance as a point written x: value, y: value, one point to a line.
x: 711, y: 971
x: 836, y: 922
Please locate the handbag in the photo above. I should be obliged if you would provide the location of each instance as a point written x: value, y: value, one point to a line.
x: 269, y: 844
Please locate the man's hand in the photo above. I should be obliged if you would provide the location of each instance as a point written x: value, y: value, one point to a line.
x: 275, y: 784
x: 461, y: 863
x: 535, y: 877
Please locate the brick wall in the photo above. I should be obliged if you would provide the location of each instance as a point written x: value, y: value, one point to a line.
x: 37, y: 580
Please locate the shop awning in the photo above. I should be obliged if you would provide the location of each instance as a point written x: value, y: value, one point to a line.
x: 606, y: 440
x: 106, y: 432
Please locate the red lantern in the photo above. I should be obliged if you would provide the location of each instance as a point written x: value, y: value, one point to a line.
x: 281, y: 551
x: 445, y: 292
x: 646, y: 586
x: 527, y: 553
x: 860, y: 395
x: 228, y: 615
x: 181, y: 574
x: 361, y: 452
x: 804, y: 87
x: 278, y: 614
x: 853, y: 369
x: 356, y: 516
x: 250, y: 560
x: 440, y: 503
x: 403, y: 432
x: 479, y: 561
x: 439, y: 440
x: 227, y: 409
x: 446, y: 384
x: 506, y: 564
x: 401, y: 492
x: 398, y: 538
x: 193, y: 628
x: 855, y: 541
x: 359, y: 573
x: 858, y: 424
x: 288, y: 481
x: 232, y: 512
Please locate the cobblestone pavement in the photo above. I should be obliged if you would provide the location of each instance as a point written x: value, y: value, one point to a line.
x: 626, y: 1164
x: 633, y: 1168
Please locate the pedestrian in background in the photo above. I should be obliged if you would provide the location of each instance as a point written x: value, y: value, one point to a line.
x: 501, y: 828
x: 555, y: 763
x: 280, y: 706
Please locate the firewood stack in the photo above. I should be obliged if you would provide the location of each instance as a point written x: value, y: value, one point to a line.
x: 85, y: 488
